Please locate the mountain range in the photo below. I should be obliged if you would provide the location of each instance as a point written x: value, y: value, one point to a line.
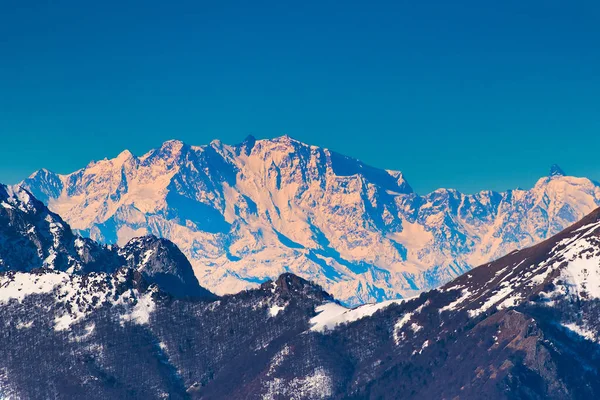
x: 86, y: 320
x: 243, y: 214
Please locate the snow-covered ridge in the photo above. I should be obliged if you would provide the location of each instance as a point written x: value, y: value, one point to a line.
x: 246, y: 213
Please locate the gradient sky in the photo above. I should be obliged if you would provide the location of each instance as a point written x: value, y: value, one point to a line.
x: 465, y: 94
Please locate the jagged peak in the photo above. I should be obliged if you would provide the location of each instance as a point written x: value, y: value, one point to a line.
x: 171, y: 149
x: 556, y: 170
x: 144, y: 240
x: 444, y: 191
x: 42, y: 172
x: 290, y: 285
x: 42, y: 176
x: 216, y: 143
x: 124, y: 156
x: 291, y: 281
x: 118, y: 161
x: 172, y: 144
x: 161, y: 262
x: 287, y: 139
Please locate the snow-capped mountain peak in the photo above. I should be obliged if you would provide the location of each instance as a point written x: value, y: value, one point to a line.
x: 246, y: 213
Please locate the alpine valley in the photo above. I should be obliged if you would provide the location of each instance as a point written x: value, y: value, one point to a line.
x: 246, y: 213
x: 86, y: 320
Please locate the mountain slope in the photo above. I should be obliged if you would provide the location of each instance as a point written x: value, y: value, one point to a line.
x: 246, y: 213
x: 524, y: 326
x: 160, y: 262
x: 33, y: 238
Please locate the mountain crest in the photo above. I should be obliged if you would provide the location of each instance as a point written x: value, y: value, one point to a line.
x: 290, y: 285
x: 124, y: 156
x: 171, y: 149
x: 242, y: 213
x: 161, y: 262
x: 287, y: 139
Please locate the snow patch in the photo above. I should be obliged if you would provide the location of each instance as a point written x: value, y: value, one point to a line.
x: 278, y: 359
x: 317, y: 385
x: 20, y: 285
x: 465, y: 294
x: 140, y: 314
x: 582, y: 331
x: 24, y: 325
x: 275, y: 309
x: 332, y: 314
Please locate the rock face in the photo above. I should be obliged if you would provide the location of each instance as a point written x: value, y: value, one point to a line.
x: 246, y: 213
x: 523, y: 326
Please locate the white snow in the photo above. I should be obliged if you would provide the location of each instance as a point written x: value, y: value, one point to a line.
x: 332, y: 314
x: 423, y: 346
x: 584, y: 275
x: 465, y: 294
x: 24, y: 325
x: 581, y: 275
x: 576, y: 259
x: 146, y: 257
x: 317, y: 385
x: 21, y: 285
x: 582, y: 331
x: 82, y: 295
x: 140, y: 314
x: 504, y: 291
x: 275, y: 309
x: 403, y: 321
x: 278, y: 359
x: 398, y: 334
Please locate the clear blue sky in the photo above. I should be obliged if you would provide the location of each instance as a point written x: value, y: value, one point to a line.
x: 465, y: 94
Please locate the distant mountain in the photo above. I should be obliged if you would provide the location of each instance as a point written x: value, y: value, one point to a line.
x: 246, y: 213
x: 524, y: 326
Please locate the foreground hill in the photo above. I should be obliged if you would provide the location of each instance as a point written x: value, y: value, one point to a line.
x: 524, y: 326
x: 243, y: 214
x: 33, y: 238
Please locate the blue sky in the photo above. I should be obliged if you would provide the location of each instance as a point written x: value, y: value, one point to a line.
x: 466, y: 94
